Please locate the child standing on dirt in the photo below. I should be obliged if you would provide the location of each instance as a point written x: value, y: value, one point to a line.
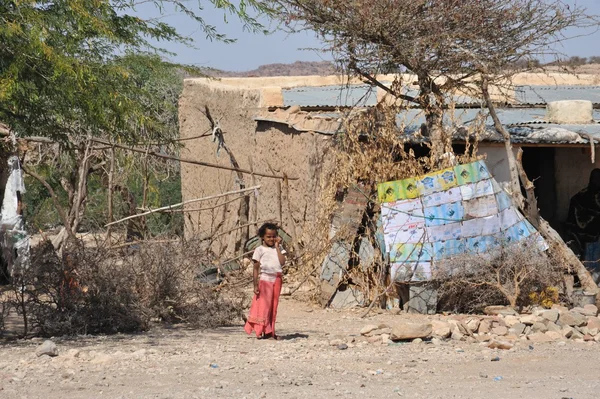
x: 268, y: 260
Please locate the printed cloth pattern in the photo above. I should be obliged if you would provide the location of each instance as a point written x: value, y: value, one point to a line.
x: 444, y: 214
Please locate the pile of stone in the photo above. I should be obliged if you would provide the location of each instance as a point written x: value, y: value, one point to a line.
x: 500, y: 327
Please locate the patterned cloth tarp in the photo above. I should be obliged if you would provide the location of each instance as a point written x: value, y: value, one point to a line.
x: 444, y: 214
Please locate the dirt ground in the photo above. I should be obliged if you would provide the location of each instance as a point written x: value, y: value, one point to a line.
x: 225, y: 363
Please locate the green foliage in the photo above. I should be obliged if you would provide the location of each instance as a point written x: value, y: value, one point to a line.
x: 60, y: 73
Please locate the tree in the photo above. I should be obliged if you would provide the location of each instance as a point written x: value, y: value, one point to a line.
x: 445, y: 44
x: 63, y: 76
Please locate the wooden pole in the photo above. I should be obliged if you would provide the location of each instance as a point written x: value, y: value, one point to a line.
x: 182, y: 203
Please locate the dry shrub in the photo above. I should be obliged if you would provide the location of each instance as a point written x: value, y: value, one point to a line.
x: 371, y: 149
x: 93, y: 289
x: 506, y: 275
x: 167, y: 282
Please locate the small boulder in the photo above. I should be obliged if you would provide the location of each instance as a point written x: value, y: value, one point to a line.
x: 593, y: 322
x: 368, y: 329
x: 529, y: 319
x: 500, y: 330
x: 554, y: 335
x: 47, y: 348
x: 499, y: 310
x: 410, y: 331
x: 484, y: 327
x: 539, y: 327
x: 551, y: 315
x: 511, y: 320
x: 571, y: 319
x: 553, y: 327
x: 440, y: 328
x: 539, y: 337
x: 517, y: 329
x: 500, y: 345
x: 473, y: 324
x: 590, y: 310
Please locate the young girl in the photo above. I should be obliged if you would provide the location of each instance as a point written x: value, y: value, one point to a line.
x: 268, y: 260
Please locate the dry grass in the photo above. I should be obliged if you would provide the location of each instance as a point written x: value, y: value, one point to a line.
x: 507, y: 275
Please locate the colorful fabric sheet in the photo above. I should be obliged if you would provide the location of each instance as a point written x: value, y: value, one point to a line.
x: 445, y: 214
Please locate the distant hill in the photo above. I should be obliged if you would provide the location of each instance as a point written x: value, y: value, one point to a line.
x: 324, y: 68
x: 298, y: 68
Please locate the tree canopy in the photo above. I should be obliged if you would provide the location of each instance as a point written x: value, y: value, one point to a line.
x: 62, y: 70
x: 446, y: 44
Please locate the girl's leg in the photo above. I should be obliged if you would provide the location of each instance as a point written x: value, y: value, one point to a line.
x: 276, y: 293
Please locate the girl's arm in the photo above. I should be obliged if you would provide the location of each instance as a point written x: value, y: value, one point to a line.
x: 255, y: 275
x: 281, y: 256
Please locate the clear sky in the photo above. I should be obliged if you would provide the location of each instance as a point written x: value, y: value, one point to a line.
x: 252, y: 50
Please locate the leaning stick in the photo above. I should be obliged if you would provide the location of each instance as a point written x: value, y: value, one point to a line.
x: 182, y: 203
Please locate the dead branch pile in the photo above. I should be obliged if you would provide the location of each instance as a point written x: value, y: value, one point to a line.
x: 94, y: 289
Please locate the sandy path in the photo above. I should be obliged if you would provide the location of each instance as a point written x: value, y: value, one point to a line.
x: 176, y: 363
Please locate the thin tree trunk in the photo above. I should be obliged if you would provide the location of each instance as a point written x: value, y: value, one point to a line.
x: 557, y: 244
x: 569, y: 260
x: 510, y: 156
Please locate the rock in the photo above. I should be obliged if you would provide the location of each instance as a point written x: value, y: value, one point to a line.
x: 335, y: 342
x: 550, y: 315
x: 590, y: 310
x: 539, y: 337
x: 587, y: 310
x: 499, y: 310
x: 560, y: 308
x: 517, y: 329
x: 462, y: 327
x: 571, y: 319
x: 539, y: 327
x: 500, y: 345
x: 529, y: 319
x: 382, y: 326
x: 368, y: 328
x: 484, y: 327
x: 410, y: 331
x: 554, y: 335
x: 553, y: 327
x: 436, y: 341
x: 342, y: 347
x: 483, y: 337
x: 473, y: 324
x: 374, y: 339
x: 511, y: 320
x: 385, y: 338
x: 380, y: 331
x: 440, y: 329
x: 576, y: 335
x: 499, y: 330
x: 588, y: 337
x: 47, y: 348
x: 593, y: 331
x: 593, y: 322
x: 456, y: 335
x: 417, y: 341
x: 567, y: 331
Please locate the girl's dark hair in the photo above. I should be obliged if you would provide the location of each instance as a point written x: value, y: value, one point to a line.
x: 267, y: 226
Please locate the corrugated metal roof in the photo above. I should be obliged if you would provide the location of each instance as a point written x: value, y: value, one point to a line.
x: 331, y: 96
x: 349, y: 96
x: 508, y: 117
x: 546, y: 94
